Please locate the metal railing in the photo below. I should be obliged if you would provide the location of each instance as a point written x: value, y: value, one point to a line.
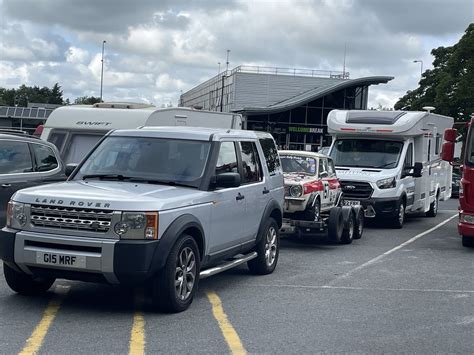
x: 291, y: 71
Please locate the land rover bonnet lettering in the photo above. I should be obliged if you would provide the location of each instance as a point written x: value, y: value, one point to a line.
x: 73, y: 203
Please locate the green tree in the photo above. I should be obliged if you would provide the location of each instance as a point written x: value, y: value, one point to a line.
x: 449, y: 85
x: 87, y: 100
x: 25, y: 94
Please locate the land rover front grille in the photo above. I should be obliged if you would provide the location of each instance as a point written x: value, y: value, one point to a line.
x: 71, y: 218
x: 356, y: 189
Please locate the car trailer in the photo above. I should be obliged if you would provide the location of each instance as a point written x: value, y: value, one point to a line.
x: 341, y: 224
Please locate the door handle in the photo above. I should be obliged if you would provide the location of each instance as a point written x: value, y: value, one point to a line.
x: 6, y: 185
x: 239, y: 197
x: 265, y: 191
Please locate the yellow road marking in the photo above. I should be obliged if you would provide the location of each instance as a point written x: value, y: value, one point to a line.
x: 228, y: 331
x: 137, y: 334
x: 35, y: 341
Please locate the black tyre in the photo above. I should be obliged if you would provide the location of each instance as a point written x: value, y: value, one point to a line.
x: 268, y: 249
x: 359, y: 222
x: 349, y: 225
x: 313, y: 212
x: 400, y: 217
x: 335, y: 224
x: 467, y: 242
x: 433, y: 211
x: 174, y: 286
x: 25, y: 284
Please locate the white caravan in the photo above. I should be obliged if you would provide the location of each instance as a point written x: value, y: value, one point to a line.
x: 389, y: 161
x: 76, y: 129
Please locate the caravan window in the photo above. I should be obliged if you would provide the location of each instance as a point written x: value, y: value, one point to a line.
x: 79, y: 145
x: 366, y: 153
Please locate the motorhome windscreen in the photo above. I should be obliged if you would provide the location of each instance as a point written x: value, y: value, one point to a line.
x: 154, y: 160
x: 375, y: 117
x: 469, y: 156
x: 366, y: 153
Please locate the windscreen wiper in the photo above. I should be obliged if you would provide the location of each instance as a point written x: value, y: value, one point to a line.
x: 119, y: 177
x: 158, y: 182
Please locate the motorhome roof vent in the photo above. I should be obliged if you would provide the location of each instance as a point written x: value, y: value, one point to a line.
x: 129, y: 105
x: 197, y: 107
x: 375, y: 117
x: 428, y: 108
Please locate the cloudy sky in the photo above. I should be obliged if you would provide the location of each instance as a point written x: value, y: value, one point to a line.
x: 157, y: 48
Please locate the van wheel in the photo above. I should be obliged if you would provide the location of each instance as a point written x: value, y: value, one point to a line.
x: 335, y: 224
x: 268, y: 249
x: 25, y: 284
x: 467, y: 242
x: 348, y: 231
x: 433, y: 211
x: 400, y: 217
x: 174, y: 286
x: 359, y: 223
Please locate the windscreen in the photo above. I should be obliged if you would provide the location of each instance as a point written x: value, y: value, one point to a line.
x: 469, y: 155
x: 144, y: 158
x: 295, y: 164
x: 366, y: 153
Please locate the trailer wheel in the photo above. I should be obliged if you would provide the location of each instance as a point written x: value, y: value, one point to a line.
x: 349, y: 225
x: 433, y: 211
x: 359, y: 222
x: 335, y: 224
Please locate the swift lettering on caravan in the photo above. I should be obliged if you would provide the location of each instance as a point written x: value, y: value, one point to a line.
x: 389, y: 161
x: 76, y: 129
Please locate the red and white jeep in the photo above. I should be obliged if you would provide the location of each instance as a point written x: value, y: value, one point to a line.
x: 313, y: 198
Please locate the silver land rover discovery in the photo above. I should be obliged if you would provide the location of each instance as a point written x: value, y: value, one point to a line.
x: 161, y: 207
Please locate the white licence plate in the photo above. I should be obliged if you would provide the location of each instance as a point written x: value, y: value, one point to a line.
x: 56, y: 259
x: 351, y: 203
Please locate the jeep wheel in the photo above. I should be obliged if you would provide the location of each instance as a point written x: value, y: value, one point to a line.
x: 467, y: 242
x: 359, y: 223
x: 313, y: 213
x: 175, y: 286
x: 335, y: 224
x: 25, y: 284
x: 400, y: 217
x: 433, y: 211
x: 268, y: 249
x: 348, y: 231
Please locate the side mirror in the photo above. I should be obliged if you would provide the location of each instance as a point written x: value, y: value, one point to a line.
x: 417, y: 170
x: 447, y: 152
x: 323, y: 174
x: 69, y: 169
x: 450, y: 134
x: 227, y: 180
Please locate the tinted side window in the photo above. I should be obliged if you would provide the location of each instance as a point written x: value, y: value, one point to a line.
x: 44, y: 156
x: 271, y: 154
x: 250, y: 162
x: 15, y: 158
x: 227, y: 160
x: 57, y: 138
x: 409, y: 157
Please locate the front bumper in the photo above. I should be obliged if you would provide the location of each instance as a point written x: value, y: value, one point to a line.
x: 296, y: 204
x: 465, y: 229
x: 379, y: 207
x: 111, y: 261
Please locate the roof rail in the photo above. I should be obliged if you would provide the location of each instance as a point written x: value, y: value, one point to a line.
x: 18, y: 132
x: 126, y: 105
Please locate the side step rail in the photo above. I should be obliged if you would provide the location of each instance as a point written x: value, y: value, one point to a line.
x: 227, y: 265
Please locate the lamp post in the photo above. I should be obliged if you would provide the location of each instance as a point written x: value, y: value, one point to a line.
x: 102, y: 70
x: 421, y: 67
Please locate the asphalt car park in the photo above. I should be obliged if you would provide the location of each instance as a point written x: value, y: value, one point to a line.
x: 408, y: 290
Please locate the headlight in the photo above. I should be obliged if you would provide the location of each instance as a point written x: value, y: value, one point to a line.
x: 137, y: 225
x: 16, y: 217
x: 387, y: 183
x: 296, y: 191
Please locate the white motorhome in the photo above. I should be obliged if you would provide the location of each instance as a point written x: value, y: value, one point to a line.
x: 76, y: 129
x: 389, y: 161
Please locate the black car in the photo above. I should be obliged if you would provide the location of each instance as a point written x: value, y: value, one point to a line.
x: 456, y: 182
x: 25, y: 161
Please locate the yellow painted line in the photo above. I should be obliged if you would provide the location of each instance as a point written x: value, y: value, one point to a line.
x: 35, y: 341
x: 137, y: 334
x: 228, y: 331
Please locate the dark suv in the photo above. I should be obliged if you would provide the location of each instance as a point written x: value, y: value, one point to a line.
x: 25, y: 161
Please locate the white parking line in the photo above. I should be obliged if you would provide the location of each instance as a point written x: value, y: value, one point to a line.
x: 433, y: 290
x: 378, y: 258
